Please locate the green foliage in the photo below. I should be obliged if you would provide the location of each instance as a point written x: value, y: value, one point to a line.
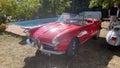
x: 17, y: 8
x: 103, y: 3
x: 2, y: 27
x: 26, y: 9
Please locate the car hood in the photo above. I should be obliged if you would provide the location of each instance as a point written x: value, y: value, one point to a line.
x: 51, y: 30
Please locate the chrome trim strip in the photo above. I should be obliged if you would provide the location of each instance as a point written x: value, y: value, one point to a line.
x: 30, y: 27
x: 52, y: 52
x: 49, y: 44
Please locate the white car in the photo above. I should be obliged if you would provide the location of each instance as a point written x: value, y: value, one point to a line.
x: 113, y: 36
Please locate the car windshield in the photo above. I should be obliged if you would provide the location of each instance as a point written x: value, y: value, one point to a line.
x: 65, y: 16
x: 74, y: 21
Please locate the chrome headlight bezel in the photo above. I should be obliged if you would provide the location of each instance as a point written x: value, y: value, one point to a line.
x: 28, y: 34
x: 55, y: 42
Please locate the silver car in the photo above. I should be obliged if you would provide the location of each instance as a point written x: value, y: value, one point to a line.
x: 113, y: 36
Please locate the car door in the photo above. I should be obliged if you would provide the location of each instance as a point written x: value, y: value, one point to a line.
x: 89, y: 29
x: 85, y: 32
x: 94, y: 27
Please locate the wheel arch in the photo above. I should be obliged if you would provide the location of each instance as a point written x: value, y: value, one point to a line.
x: 68, y: 51
x: 77, y: 39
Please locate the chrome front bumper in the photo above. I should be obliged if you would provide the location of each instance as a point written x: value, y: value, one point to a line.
x: 43, y: 50
x: 28, y: 42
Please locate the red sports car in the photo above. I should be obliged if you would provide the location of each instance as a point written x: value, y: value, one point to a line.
x: 63, y: 37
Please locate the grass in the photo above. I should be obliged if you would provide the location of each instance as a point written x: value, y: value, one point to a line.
x: 11, y: 52
x: 14, y: 53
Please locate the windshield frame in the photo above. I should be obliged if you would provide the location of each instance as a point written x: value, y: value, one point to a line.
x: 63, y: 17
x: 80, y: 22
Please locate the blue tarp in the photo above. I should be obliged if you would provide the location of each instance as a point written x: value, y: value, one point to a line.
x: 32, y: 23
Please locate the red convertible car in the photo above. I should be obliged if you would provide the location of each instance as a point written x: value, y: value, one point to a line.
x: 63, y: 37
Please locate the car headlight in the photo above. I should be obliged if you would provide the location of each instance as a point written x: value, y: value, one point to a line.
x: 28, y: 34
x: 55, y: 42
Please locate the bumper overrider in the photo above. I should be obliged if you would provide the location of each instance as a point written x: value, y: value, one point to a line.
x: 46, y: 48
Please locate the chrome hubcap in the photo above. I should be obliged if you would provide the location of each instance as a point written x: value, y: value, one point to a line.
x: 73, y: 47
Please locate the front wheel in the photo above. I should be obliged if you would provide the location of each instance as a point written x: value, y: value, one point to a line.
x: 38, y: 53
x: 73, y: 48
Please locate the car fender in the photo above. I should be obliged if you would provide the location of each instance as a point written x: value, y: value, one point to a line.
x: 66, y: 39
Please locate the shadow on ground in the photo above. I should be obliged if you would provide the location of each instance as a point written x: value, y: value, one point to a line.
x: 92, y: 54
x: 23, y: 41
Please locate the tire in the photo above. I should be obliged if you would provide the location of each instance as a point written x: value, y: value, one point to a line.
x: 38, y: 53
x: 113, y: 48
x: 73, y: 48
x: 97, y: 35
x: 112, y: 45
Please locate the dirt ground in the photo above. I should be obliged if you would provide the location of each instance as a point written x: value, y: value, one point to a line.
x: 15, y: 53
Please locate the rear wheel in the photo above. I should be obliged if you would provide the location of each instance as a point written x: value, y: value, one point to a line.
x: 97, y: 34
x: 112, y: 48
x: 73, y: 48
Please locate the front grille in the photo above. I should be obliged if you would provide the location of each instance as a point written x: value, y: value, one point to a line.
x: 48, y: 47
x: 35, y: 42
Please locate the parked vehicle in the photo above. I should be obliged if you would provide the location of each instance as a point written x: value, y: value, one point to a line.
x: 63, y: 36
x: 113, y: 36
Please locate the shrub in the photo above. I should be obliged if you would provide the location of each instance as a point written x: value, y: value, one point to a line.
x: 3, y: 27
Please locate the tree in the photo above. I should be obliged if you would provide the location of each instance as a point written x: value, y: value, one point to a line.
x: 103, y: 3
x: 26, y: 9
x: 53, y: 7
x: 80, y: 5
x: 19, y: 8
